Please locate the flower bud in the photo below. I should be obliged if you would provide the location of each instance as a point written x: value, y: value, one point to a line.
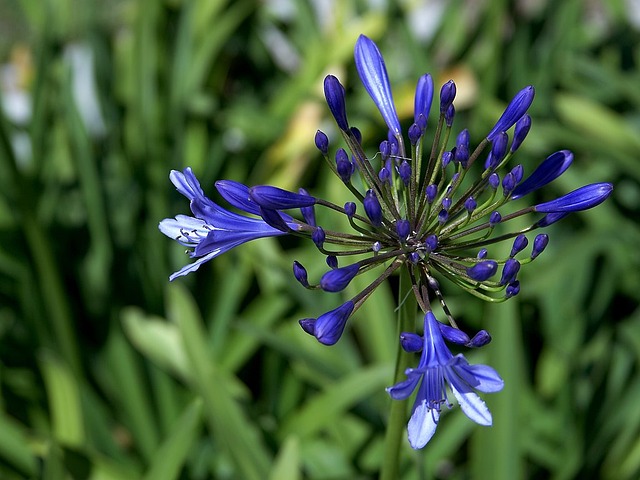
x: 483, y: 270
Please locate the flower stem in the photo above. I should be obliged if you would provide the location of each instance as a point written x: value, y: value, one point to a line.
x: 398, y: 413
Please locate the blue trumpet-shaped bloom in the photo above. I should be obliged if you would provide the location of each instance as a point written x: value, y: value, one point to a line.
x: 437, y: 368
x: 423, y: 209
x: 212, y: 230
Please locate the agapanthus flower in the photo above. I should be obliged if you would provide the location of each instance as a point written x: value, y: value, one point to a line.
x: 435, y: 210
x: 438, y: 368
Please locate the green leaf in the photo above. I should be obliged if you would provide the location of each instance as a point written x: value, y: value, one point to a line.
x: 227, y: 421
x: 64, y: 401
x: 167, y: 461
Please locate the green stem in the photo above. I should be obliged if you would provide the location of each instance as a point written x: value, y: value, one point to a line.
x: 398, y: 414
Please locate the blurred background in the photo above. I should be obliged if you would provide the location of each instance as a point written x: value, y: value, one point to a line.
x: 107, y: 371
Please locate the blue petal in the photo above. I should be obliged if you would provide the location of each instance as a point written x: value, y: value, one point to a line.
x: 373, y: 73
x: 422, y: 425
x: 404, y: 389
x: 479, y: 377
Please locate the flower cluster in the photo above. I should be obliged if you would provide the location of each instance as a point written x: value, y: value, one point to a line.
x: 429, y: 209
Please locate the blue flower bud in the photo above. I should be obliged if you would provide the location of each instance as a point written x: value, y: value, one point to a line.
x: 447, y: 157
x: 482, y: 253
x: 332, y: 261
x: 384, y: 175
x: 237, y: 195
x: 498, y: 148
x: 431, y: 242
x: 308, y: 213
x: 385, y: 149
x: 422, y: 122
x: 357, y: 134
x: 334, y: 94
x: 343, y: 165
x: 519, y: 244
x: 308, y: 325
x: 551, y: 218
x: 404, y: 170
x: 329, y: 327
x: 539, y: 244
x: 495, y: 218
x: 372, y: 208
x: 449, y: 114
x: 581, y: 199
x: 414, y: 257
x: 447, y: 94
x: 443, y: 216
x: 376, y: 247
x: 480, y: 339
x: 508, y: 184
x: 514, y: 111
x: 373, y: 73
x: 446, y: 203
x: 462, y: 155
x: 274, y: 219
x: 403, y: 229
x: 322, y: 142
x: 463, y: 138
x: 453, y: 335
x: 513, y: 289
x: 318, y: 236
x: 350, y: 209
x: 415, y: 132
x: 509, y: 271
x: 275, y: 198
x: 423, y: 98
x: 518, y: 173
x: 470, y: 204
x: 483, y: 270
x: 550, y: 169
x: 494, y: 180
x: 300, y: 273
x: 431, y: 191
x: 337, y: 280
x: 522, y: 129
x: 411, y: 342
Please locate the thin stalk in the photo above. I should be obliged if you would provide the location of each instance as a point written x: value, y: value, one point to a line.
x: 396, y: 428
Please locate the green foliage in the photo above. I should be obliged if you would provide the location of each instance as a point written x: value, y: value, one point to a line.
x: 109, y: 372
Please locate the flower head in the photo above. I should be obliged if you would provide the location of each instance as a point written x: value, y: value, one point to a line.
x: 431, y: 209
x: 437, y: 368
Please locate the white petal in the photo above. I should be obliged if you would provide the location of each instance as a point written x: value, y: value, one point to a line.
x: 422, y: 425
x: 473, y: 406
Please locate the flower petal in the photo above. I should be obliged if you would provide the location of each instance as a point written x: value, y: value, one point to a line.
x: 422, y: 425
x: 404, y: 389
x: 470, y: 403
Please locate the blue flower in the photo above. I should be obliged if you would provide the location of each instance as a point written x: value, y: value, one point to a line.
x: 437, y: 368
x: 431, y: 209
x: 212, y: 230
